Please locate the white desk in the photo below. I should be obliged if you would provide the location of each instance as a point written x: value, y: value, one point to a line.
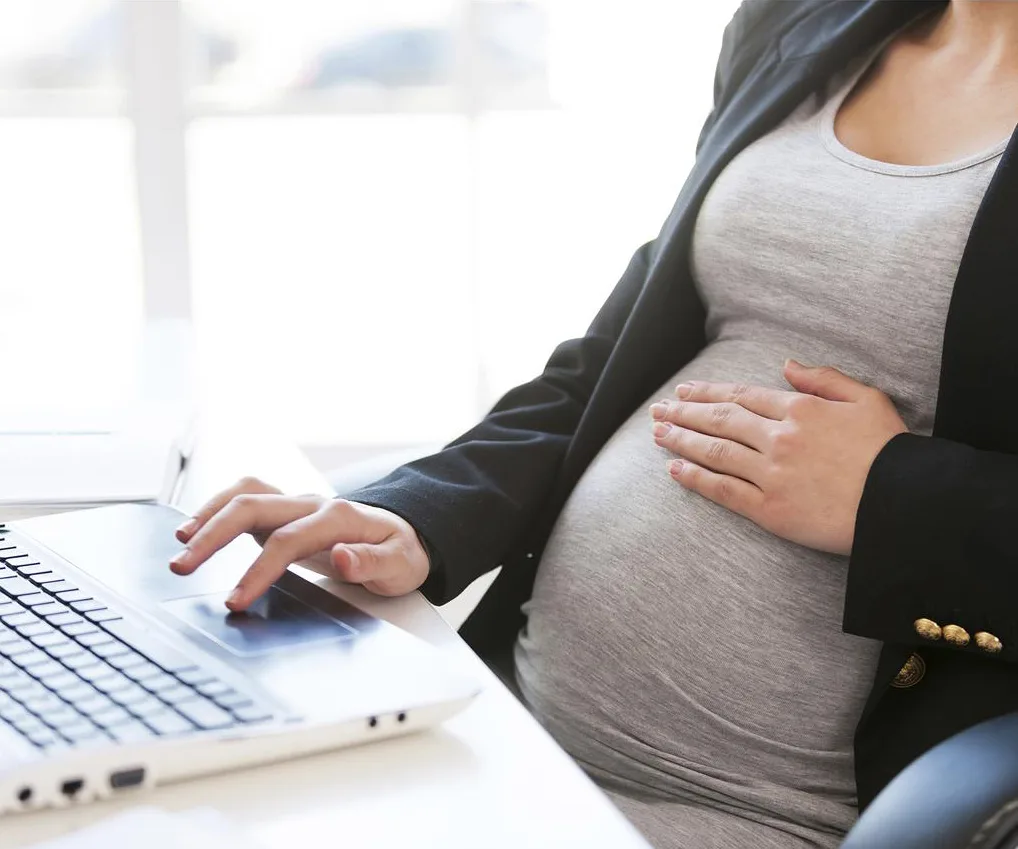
x: 488, y: 778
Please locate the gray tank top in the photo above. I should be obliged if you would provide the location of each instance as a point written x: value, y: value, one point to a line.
x: 691, y: 662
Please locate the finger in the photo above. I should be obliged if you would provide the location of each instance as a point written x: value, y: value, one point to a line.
x: 720, y: 455
x: 244, y: 513
x: 724, y: 419
x: 381, y: 568
x: 728, y: 492
x: 769, y: 403
x: 299, y: 539
x: 214, y: 505
x: 824, y: 382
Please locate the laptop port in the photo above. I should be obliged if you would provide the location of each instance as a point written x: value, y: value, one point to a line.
x: 72, y: 787
x: 24, y: 794
x: 401, y: 717
x: 372, y: 721
x: 127, y: 778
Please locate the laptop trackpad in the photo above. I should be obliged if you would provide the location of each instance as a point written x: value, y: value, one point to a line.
x: 278, y: 621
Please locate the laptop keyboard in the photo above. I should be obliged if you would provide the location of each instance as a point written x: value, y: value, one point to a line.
x: 75, y: 672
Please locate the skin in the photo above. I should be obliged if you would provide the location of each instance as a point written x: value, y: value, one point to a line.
x: 793, y: 461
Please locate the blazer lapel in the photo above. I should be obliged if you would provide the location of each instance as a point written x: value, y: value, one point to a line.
x: 976, y: 402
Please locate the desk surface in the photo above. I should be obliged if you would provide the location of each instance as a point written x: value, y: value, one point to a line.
x: 488, y: 778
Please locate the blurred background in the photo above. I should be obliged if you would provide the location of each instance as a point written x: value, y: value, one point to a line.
x: 357, y: 222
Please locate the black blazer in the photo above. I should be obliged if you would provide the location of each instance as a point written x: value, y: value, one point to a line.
x: 933, y: 533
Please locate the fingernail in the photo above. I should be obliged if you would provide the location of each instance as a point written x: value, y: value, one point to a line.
x: 659, y: 409
x: 793, y: 364
x: 683, y: 390
x: 662, y: 429
x: 184, y: 558
x: 234, y: 598
x: 188, y: 527
x: 675, y: 468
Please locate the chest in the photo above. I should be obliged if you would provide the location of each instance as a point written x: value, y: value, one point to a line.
x: 909, y: 109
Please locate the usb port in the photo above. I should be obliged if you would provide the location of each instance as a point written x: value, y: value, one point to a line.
x: 127, y: 778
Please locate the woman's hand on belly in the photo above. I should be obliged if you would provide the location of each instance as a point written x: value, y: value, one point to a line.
x: 792, y: 462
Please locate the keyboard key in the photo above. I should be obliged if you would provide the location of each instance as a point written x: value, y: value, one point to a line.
x: 141, y: 671
x: 60, y: 586
x: 93, y: 703
x: 131, y: 731
x: 22, y: 617
x: 179, y: 693
x: 16, y: 587
x: 34, y: 657
x: 153, y: 647
x: 85, y: 664
x: 102, y: 615
x: 47, y: 667
x: 82, y: 733
x: 67, y: 684
x: 76, y: 629
x: 168, y: 722
x: 195, y: 676
x: 130, y: 696
x: 50, y: 608
x: 12, y: 648
x: 127, y: 660
x: 75, y: 597
x: 34, y: 600
x: 63, y: 650
x: 31, y: 571
x: 95, y: 638
x: 34, y: 630
x: 7, y: 572
x: 205, y: 714
x: 112, y: 716
x: 28, y: 724
x: 41, y: 701
x: 13, y: 713
x: 111, y: 649
x: 27, y: 629
x: 127, y: 663
x: 49, y: 638
x: 112, y: 683
x: 59, y: 716
x: 232, y: 699
x: 159, y: 683
x: 213, y: 688
x: 143, y: 709
x: 44, y: 737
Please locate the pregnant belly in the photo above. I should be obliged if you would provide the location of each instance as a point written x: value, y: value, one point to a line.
x: 667, y: 634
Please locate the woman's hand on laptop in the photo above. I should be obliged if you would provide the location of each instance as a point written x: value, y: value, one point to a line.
x: 354, y: 542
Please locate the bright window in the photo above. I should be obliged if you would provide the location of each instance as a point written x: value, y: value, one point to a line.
x: 379, y: 216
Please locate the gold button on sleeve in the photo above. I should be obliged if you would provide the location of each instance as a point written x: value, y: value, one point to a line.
x: 988, y: 642
x: 910, y: 674
x: 956, y: 635
x: 927, y: 629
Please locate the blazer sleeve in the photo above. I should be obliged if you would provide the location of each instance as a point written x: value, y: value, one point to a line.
x: 470, y: 502
x: 935, y: 539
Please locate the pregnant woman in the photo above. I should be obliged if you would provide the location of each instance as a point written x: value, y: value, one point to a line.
x: 755, y: 526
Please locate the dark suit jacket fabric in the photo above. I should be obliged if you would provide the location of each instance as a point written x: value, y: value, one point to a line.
x: 933, y: 534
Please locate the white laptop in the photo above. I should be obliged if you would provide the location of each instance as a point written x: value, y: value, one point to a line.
x: 116, y: 674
